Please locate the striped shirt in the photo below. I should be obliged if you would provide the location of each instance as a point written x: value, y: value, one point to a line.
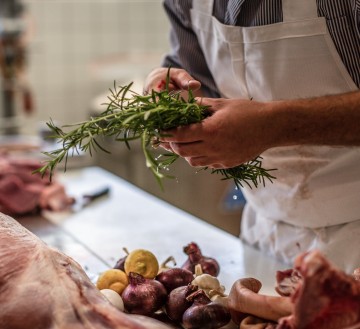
x: 342, y: 19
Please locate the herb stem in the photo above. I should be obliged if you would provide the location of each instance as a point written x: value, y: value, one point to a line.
x: 130, y: 116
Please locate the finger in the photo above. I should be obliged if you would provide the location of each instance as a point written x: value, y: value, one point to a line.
x: 156, y: 80
x: 203, y: 161
x: 184, y: 80
x: 179, y: 80
x: 196, y: 161
x: 216, y: 166
x: 184, y: 134
x: 166, y: 146
x: 194, y: 85
x: 186, y: 149
x: 213, y: 103
x: 194, y: 154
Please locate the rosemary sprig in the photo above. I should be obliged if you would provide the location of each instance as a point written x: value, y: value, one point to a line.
x: 130, y: 116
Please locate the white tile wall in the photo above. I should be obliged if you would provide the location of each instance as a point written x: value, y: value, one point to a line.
x: 123, y: 40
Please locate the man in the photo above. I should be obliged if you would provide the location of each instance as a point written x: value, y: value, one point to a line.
x: 283, y: 77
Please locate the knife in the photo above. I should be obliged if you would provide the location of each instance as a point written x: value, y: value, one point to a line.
x: 86, y: 199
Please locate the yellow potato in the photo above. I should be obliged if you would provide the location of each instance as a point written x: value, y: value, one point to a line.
x: 143, y: 262
x: 113, y: 279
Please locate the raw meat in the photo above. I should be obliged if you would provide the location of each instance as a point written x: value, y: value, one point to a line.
x: 16, y: 197
x: 357, y: 274
x: 325, y: 297
x: 41, y: 288
x: 287, y: 281
x: 314, y: 295
x: 23, y: 192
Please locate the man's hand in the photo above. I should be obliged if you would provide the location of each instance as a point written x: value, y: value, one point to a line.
x: 236, y: 132
x: 239, y: 130
x: 179, y: 80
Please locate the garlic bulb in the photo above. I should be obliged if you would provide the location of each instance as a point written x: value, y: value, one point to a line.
x: 114, y: 298
x: 207, y: 282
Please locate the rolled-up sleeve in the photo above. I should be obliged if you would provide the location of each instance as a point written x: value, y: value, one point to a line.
x: 185, y: 51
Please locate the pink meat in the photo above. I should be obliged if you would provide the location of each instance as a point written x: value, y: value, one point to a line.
x: 357, y: 274
x: 287, y: 282
x: 22, y: 191
x: 15, y: 197
x: 44, y: 289
x: 54, y: 197
x: 325, y: 298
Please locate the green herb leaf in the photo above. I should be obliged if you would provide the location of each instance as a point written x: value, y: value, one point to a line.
x: 130, y: 116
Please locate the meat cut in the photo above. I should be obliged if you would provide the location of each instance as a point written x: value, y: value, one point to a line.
x: 313, y: 295
x: 41, y: 288
x: 324, y: 297
x: 17, y: 182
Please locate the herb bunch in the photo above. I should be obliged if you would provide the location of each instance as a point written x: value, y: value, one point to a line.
x: 130, y: 116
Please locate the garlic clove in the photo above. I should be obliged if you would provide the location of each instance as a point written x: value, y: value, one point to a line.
x: 114, y: 298
x: 208, y: 282
x: 218, y: 298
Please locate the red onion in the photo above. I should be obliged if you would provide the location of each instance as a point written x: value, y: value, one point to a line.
x: 143, y: 296
x: 175, y: 277
x: 164, y: 266
x: 208, y: 265
x: 121, y: 262
x: 204, y: 314
x: 177, y: 304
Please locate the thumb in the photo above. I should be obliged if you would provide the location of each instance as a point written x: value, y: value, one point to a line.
x: 184, y: 80
x: 193, y: 84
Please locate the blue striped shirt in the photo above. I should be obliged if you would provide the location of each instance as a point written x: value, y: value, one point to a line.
x: 342, y: 18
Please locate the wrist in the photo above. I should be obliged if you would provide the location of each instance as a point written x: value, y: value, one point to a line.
x: 327, y: 120
x: 276, y: 124
x: 289, y: 123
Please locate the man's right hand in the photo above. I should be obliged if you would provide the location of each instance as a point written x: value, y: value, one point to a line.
x: 179, y: 80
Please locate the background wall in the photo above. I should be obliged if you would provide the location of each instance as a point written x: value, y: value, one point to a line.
x: 77, y: 49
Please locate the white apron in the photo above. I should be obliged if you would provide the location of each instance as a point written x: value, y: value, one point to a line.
x: 315, y: 200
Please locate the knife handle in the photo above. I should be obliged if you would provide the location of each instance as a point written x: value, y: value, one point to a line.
x: 97, y: 194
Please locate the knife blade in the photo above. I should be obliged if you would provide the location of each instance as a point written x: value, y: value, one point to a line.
x: 87, y: 198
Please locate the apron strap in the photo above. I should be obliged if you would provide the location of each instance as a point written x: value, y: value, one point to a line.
x: 204, y: 6
x: 294, y: 10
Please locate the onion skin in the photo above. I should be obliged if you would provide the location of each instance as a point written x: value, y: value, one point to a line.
x: 177, y: 304
x: 204, y: 314
x: 174, y: 278
x: 120, y: 264
x: 143, y: 296
x: 208, y: 265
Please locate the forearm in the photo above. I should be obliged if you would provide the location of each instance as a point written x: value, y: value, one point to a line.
x: 329, y: 120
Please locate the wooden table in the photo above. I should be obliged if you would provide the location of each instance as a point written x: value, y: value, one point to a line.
x: 132, y: 218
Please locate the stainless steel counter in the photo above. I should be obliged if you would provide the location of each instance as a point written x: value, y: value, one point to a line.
x: 132, y: 218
